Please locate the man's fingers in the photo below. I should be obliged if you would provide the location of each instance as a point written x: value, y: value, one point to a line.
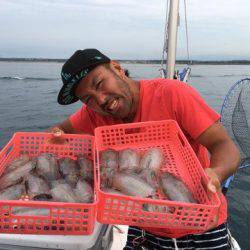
x: 57, y: 136
x: 211, y: 187
x: 58, y: 133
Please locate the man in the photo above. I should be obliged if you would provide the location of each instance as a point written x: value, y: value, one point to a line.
x: 110, y: 97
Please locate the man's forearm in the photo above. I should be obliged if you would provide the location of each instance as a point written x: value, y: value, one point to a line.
x: 225, y: 159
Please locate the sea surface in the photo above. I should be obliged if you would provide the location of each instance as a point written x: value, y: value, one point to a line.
x: 28, y: 102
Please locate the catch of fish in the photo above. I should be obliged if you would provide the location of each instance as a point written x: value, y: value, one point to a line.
x: 128, y: 172
x: 46, y: 178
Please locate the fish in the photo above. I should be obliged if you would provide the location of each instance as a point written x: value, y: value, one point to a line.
x: 112, y: 191
x: 47, y: 166
x: 63, y: 193
x: 13, y: 193
x: 109, y: 159
x: 86, y: 168
x: 129, y: 160
x: 106, y: 176
x: 157, y: 208
x: 174, y: 189
x: 16, y: 175
x: 36, y: 186
x: 57, y: 182
x: 19, y: 161
x: 84, y: 191
x: 116, y: 202
x: 69, y: 170
x: 152, y: 160
x: 26, y: 211
x: 108, y: 166
x: 150, y: 166
x: 150, y: 176
x: 42, y: 197
x: 133, y: 185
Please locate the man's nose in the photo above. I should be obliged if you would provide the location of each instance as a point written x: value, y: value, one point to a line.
x: 101, y: 99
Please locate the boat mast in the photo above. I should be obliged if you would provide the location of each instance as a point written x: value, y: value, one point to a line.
x: 173, y: 20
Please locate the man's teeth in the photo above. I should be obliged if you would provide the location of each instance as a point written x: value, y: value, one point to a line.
x: 113, y: 105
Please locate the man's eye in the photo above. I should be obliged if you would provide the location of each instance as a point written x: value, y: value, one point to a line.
x: 98, y: 85
x: 85, y: 100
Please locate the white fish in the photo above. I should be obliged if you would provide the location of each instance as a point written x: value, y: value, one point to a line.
x: 150, y: 166
x: 19, y: 161
x: 150, y: 176
x: 112, y: 191
x: 47, y: 166
x: 131, y: 184
x: 84, y: 191
x: 16, y: 175
x: 108, y: 166
x: 36, y: 185
x: 63, y: 193
x: 57, y: 182
x: 152, y: 159
x: 175, y: 189
x: 69, y: 170
x: 129, y: 160
x: 86, y: 168
x: 12, y: 193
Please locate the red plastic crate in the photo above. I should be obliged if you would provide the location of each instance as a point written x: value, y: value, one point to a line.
x: 60, y: 218
x: 180, y: 160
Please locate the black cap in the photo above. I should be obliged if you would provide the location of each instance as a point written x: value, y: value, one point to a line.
x: 76, y: 68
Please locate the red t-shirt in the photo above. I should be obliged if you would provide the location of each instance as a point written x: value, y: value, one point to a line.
x: 162, y: 99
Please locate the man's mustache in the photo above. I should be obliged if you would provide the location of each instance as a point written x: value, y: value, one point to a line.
x: 107, y: 100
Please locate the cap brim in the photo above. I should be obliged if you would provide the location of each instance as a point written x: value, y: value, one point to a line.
x: 64, y: 98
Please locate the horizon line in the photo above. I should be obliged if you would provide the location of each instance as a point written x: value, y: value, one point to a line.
x: 142, y: 61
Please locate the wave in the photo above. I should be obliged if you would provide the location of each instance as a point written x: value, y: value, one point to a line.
x: 27, y: 78
x: 226, y: 75
x: 232, y: 75
x: 196, y: 75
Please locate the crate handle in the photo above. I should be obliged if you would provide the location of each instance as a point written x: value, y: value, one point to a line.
x: 9, y: 149
x: 138, y: 130
x: 181, y: 139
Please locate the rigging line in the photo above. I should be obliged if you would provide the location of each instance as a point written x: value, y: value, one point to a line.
x: 165, y: 36
x: 188, y: 56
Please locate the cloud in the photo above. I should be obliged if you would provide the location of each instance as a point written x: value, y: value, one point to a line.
x: 123, y: 29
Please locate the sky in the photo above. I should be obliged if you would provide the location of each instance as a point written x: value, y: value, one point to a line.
x: 129, y: 29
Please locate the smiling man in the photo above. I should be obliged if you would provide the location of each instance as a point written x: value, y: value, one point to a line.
x: 110, y: 97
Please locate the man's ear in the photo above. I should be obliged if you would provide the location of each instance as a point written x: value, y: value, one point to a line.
x: 117, y: 68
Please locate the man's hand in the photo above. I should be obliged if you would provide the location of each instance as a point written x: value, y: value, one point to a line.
x: 56, y: 131
x: 57, y: 136
x: 213, y: 186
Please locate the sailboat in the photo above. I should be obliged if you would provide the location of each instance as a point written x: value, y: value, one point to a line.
x: 169, y: 51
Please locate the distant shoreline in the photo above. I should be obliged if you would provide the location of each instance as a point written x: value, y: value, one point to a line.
x: 194, y: 62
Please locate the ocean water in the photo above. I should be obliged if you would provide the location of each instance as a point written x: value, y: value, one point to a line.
x: 28, y: 102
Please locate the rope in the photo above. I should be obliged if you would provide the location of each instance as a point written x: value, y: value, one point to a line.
x: 188, y: 56
x: 165, y: 42
x: 175, y: 244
